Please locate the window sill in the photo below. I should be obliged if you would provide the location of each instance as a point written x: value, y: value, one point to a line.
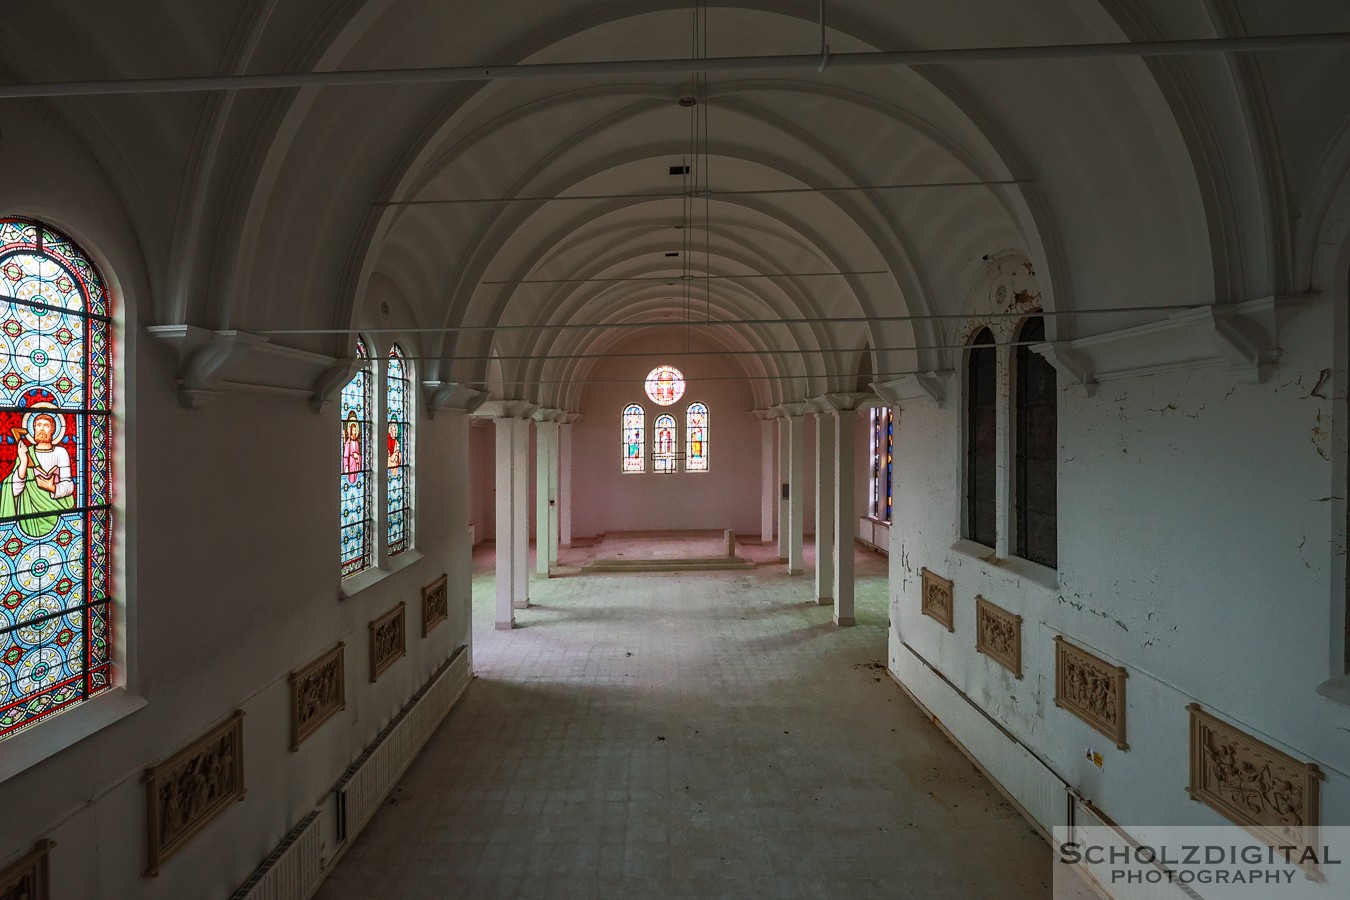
x: 355, y: 584
x: 1036, y: 573
x: 28, y: 748
x: 1336, y: 690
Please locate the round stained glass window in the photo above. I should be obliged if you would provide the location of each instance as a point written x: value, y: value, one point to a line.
x: 665, y: 385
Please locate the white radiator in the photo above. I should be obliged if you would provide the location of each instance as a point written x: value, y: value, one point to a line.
x: 370, y: 779
x: 294, y: 870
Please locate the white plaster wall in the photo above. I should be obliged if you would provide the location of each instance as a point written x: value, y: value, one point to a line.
x: 1194, y: 530
x: 726, y: 496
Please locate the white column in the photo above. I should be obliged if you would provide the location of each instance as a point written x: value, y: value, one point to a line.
x: 565, y: 484
x: 845, y: 441
x: 784, y: 513
x: 506, y: 555
x: 825, y: 490
x: 546, y: 490
x: 796, y: 492
x: 768, y: 479
x: 520, y: 513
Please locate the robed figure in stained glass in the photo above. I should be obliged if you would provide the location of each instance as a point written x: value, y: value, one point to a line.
x: 39, y: 487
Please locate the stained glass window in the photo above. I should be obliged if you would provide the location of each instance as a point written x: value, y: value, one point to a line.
x: 665, y: 385
x: 357, y: 506
x: 663, y: 443
x: 55, y: 452
x: 1037, y: 445
x: 634, y: 438
x: 696, y: 438
x: 981, y: 434
x: 398, y: 438
x: 883, y: 464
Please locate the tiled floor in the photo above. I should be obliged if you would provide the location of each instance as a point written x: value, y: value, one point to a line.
x: 706, y: 734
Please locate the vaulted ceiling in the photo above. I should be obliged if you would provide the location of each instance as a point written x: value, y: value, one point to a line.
x: 1099, y: 184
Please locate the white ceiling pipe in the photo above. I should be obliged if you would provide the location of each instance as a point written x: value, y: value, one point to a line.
x: 629, y: 67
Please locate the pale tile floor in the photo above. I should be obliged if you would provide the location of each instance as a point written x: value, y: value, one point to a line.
x: 705, y: 734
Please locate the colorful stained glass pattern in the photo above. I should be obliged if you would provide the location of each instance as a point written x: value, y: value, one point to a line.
x: 883, y: 465
x: 398, y: 441
x: 55, y: 475
x: 634, y: 439
x: 665, y: 385
x: 663, y: 444
x: 356, y: 503
x: 696, y: 438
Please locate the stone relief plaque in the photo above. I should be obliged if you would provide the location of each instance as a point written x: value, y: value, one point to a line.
x: 318, y: 692
x: 388, y: 641
x: 1092, y: 689
x: 26, y: 878
x: 998, y: 635
x: 435, y: 604
x: 935, y: 600
x: 184, y: 793
x: 1270, y: 793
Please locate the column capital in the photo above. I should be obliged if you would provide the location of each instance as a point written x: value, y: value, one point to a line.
x: 570, y: 418
x: 451, y: 395
x: 842, y: 402
x: 791, y: 410
x: 919, y: 385
x: 546, y: 415
x: 505, y: 409
x: 761, y: 414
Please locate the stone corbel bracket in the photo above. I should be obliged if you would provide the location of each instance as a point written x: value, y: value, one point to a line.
x: 212, y: 362
x: 330, y: 382
x: 1243, y: 343
x: 544, y: 414
x: 505, y: 409
x: 569, y: 418
x: 451, y: 395
x: 842, y: 402
x: 1071, y: 364
x: 931, y: 386
x: 790, y: 410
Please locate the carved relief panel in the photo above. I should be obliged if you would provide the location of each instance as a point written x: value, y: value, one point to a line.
x: 1270, y: 793
x: 388, y: 641
x: 998, y: 635
x: 184, y: 793
x: 435, y: 604
x: 936, y: 598
x: 27, y: 878
x: 1092, y: 689
x: 318, y: 692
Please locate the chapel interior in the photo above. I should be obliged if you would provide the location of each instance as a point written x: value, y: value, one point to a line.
x: 766, y: 449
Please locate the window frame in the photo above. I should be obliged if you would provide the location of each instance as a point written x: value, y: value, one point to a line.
x: 641, y: 443
x: 408, y: 455
x: 1023, y: 359
x: 703, y: 442
x: 673, y: 460
x: 368, y: 457
x: 981, y: 341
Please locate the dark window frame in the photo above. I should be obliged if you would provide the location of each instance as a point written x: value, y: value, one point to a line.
x: 981, y: 524
x: 1035, y: 463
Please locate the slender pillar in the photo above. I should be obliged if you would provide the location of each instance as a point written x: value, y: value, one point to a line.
x: 520, y: 513
x: 554, y: 460
x: 796, y: 493
x: 545, y: 492
x: 768, y: 481
x: 825, y: 489
x: 784, y: 513
x: 506, y: 556
x: 845, y: 443
x: 565, y: 483
x: 447, y: 410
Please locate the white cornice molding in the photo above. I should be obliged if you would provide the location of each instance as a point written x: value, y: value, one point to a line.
x: 1239, y: 337
x: 790, y: 410
x: 212, y: 362
x: 846, y: 401
x: 931, y: 386
x: 505, y: 409
x: 441, y: 395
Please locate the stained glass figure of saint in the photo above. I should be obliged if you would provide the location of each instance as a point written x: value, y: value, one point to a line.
x: 665, y: 385
x: 356, y: 505
x: 696, y: 438
x: 663, y: 443
x: 634, y: 426
x: 55, y: 449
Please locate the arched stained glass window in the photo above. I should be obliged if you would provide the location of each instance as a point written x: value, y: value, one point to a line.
x: 357, y: 506
x: 398, y: 440
x: 634, y: 438
x: 696, y: 438
x: 981, y: 440
x: 663, y: 443
x: 1037, y: 443
x: 55, y: 502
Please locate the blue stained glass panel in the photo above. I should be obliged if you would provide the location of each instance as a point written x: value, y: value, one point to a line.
x: 696, y: 438
x: 634, y: 439
x: 398, y: 446
x: 663, y: 444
